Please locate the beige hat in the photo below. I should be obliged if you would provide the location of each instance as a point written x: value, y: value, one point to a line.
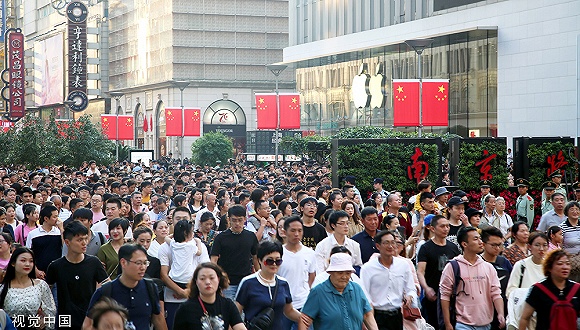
x: 340, y: 262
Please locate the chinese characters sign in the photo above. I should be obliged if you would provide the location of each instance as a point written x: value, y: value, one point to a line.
x: 485, y: 166
x: 16, y: 74
x: 419, y: 169
x: 77, y: 14
x: 555, y: 162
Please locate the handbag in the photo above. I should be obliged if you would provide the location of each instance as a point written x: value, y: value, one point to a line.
x: 264, y: 319
x: 411, y: 313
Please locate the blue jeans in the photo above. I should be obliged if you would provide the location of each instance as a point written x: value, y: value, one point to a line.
x: 461, y: 326
x: 231, y: 291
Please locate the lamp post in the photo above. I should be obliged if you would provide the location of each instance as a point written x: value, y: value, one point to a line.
x: 117, y: 96
x: 418, y: 46
x: 277, y: 69
x: 182, y: 85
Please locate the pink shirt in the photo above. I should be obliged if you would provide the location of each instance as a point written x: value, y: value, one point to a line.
x: 18, y: 237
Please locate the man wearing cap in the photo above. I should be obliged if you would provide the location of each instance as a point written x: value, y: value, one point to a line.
x: 548, y: 189
x: 441, y: 198
x: 556, y: 178
x: 524, y: 203
x: 457, y: 218
x: 378, y: 185
x: 388, y: 280
x: 555, y: 216
x: 484, y: 187
x: 576, y: 188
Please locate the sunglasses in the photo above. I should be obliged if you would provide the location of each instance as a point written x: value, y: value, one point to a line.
x: 270, y: 262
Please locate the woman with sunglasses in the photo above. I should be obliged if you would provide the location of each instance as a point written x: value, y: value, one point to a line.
x: 206, y: 307
x: 265, y: 289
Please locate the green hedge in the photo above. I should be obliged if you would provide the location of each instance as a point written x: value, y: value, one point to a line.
x: 537, y: 154
x: 389, y: 161
x: 470, y: 153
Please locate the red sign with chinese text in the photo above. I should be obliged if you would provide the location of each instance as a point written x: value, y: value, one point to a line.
x: 16, y: 72
x: 485, y: 166
x: 419, y: 169
x: 555, y: 162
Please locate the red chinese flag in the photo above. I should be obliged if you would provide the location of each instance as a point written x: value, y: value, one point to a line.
x: 145, y: 124
x: 126, y: 128
x: 192, y: 122
x: 266, y: 111
x: 109, y: 126
x: 406, y: 102
x: 435, y: 102
x: 290, y: 111
x: 172, y: 121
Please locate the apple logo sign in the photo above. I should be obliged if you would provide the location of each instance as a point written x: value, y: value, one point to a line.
x: 377, y: 88
x: 360, y: 83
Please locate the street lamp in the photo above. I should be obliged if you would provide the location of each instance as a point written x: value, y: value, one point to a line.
x: 277, y: 69
x: 418, y: 46
x: 117, y: 96
x: 182, y: 85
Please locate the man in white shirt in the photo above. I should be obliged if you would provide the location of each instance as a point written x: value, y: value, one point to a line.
x: 210, y: 206
x: 338, y: 221
x: 112, y: 211
x: 388, y: 282
x: 299, y: 266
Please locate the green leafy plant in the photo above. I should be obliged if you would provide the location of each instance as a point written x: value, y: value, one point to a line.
x: 472, y: 152
x: 537, y: 154
x: 212, y: 147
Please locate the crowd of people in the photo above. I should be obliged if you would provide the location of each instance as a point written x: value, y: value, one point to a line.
x: 241, y: 247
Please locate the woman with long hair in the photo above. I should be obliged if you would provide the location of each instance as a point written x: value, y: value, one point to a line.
x: 206, y: 307
x: 195, y: 202
x: 22, y: 294
x: 355, y: 225
x: 205, y: 232
x: 286, y: 208
x: 518, y: 250
x: 5, y: 253
x: 322, y: 194
x: 29, y: 224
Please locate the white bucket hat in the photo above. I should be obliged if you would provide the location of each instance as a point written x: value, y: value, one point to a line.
x: 340, y: 262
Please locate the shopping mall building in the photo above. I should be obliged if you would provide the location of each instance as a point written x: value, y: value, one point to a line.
x: 512, y: 64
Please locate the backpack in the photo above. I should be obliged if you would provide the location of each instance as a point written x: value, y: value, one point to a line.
x: 107, y: 290
x: 562, y: 315
x: 102, y: 238
x: 453, y: 298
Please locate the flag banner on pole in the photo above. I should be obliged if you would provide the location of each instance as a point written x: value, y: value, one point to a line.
x: 435, y: 102
x: 266, y: 111
x: 126, y: 127
x: 290, y: 111
x: 405, y: 102
x: 172, y: 121
x: 109, y: 126
x: 145, y: 124
x: 192, y: 122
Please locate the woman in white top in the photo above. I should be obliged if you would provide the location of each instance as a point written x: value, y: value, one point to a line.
x: 161, y: 230
x: 503, y: 221
x: 24, y: 297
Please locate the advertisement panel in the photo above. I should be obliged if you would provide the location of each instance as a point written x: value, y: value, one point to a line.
x: 50, y: 61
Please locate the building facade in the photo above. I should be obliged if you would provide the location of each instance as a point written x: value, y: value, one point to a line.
x: 512, y: 64
x: 220, y: 47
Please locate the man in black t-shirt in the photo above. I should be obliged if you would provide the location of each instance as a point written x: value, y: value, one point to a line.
x: 235, y: 250
x: 76, y: 274
x: 314, y: 232
x: 432, y: 258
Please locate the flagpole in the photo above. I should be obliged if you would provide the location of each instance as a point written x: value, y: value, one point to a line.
x: 277, y: 70
x: 418, y: 46
x: 182, y: 85
x: 117, y: 96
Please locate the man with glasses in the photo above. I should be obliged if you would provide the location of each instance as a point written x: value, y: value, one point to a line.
x: 97, y: 207
x: 388, y: 282
x: 314, y: 232
x: 339, y: 222
x: 76, y: 274
x: 492, y: 247
x: 478, y: 292
x: 132, y: 291
x: 235, y: 250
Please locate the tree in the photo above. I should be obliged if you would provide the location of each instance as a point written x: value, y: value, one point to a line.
x: 212, y: 147
x: 36, y: 143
